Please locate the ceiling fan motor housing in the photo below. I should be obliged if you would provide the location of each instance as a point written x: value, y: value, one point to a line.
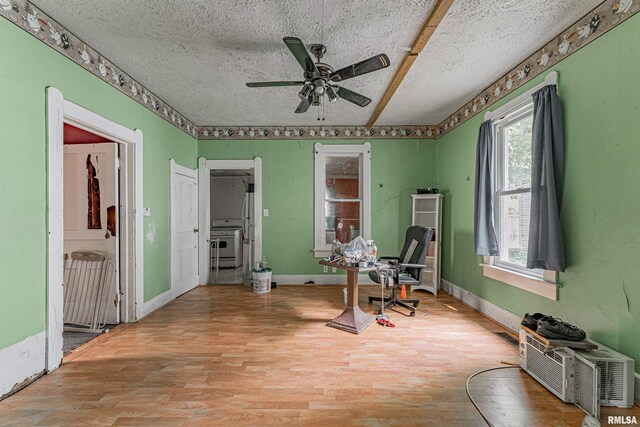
x: 318, y: 50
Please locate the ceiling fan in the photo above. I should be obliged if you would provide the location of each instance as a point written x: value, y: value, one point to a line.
x: 319, y: 77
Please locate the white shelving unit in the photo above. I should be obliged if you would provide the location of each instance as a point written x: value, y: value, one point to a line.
x: 427, y: 212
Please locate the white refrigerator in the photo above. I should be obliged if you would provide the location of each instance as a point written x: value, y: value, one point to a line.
x: 248, y: 228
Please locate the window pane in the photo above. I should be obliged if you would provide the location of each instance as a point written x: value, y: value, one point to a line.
x: 517, y: 161
x: 514, y: 227
x: 342, y: 221
x: 342, y: 175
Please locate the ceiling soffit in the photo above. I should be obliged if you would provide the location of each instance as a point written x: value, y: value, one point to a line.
x: 601, y: 20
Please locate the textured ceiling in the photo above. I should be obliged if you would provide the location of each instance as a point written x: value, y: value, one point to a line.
x: 476, y: 44
x: 197, y: 54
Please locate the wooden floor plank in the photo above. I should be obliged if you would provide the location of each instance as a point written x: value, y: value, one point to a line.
x: 222, y: 355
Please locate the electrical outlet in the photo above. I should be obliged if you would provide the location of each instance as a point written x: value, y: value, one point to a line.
x: 325, y: 269
x: 333, y: 269
x: 265, y: 212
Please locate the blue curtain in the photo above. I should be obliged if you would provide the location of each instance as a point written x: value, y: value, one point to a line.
x: 547, y: 147
x: 483, y: 231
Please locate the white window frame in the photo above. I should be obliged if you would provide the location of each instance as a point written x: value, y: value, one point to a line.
x: 520, y: 112
x: 322, y: 151
x: 540, y: 282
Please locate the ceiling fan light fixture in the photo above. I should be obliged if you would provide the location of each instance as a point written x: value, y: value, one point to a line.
x: 306, y: 91
x: 319, y: 87
x: 331, y: 94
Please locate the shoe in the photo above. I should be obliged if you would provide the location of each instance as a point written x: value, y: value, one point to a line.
x: 531, y: 320
x: 558, y: 330
x: 386, y: 323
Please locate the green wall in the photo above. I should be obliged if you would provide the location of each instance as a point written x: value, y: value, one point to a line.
x: 27, y: 68
x: 601, y: 287
x: 288, y: 174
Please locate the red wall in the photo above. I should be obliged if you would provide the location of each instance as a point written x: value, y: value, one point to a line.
x: 73, y: 135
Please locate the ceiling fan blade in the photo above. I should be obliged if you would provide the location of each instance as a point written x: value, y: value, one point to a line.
x: 296, y: 47
x: 274, y: 84
x: 351, y: 96
x: 303, y: 106
x: 375, y: 63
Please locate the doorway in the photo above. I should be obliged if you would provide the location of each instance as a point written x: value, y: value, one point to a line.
x: 232, y: 240
x: 130, y: 241
x: 91, y: 211
x: 231, y: 211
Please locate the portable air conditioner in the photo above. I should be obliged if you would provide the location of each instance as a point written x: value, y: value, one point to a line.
x: 553, y: 369
x: 616, y: 375
x: 588, y: 378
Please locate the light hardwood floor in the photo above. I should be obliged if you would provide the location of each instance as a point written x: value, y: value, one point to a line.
x: 225, y: 356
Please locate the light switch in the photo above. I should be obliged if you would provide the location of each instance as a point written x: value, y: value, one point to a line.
x: 146, y: 212
x: 325, y: 269
x: 265, y: 212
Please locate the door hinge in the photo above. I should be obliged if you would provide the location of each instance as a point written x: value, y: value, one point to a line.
x: 118, y: 162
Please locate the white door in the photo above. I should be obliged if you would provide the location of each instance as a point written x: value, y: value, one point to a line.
x: 184, y: 229
x: 101, y: 233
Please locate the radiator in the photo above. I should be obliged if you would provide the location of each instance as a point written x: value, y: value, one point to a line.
x: 87, y: 282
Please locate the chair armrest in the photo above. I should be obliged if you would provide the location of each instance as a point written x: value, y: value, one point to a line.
x: 413, y: 265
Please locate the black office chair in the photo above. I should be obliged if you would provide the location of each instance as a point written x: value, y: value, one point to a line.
x: 408, y: 268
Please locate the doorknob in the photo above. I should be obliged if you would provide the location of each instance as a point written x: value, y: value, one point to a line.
x: 195, y: 230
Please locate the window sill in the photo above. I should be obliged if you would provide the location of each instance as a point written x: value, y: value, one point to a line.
x: 531, y: 284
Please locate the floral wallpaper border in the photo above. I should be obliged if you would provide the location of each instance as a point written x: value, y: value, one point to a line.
x: 38, y: 24
x: 599, y: 21
x: 317, y: 132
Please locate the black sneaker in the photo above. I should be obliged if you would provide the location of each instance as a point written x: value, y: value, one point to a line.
x: 558, y: 330
x: 531, y: 320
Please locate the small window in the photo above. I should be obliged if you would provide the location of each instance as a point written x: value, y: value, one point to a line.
x: 342, y: 194
x: 513, y: 188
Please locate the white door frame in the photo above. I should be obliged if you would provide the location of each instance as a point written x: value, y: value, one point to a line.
x: 60, y: 111
x: 176, y: 169
x: 204, y: 210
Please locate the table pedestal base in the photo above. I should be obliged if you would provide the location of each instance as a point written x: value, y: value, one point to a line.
x: 353, y: 320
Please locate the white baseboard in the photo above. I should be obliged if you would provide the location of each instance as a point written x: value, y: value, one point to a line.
x: 157, y: 302
x: 497, y: 313
x: 22, y: 362
x: 319, y: 279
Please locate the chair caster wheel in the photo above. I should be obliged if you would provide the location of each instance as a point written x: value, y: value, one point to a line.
x: 412, y: 314
x: 415, y: 304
